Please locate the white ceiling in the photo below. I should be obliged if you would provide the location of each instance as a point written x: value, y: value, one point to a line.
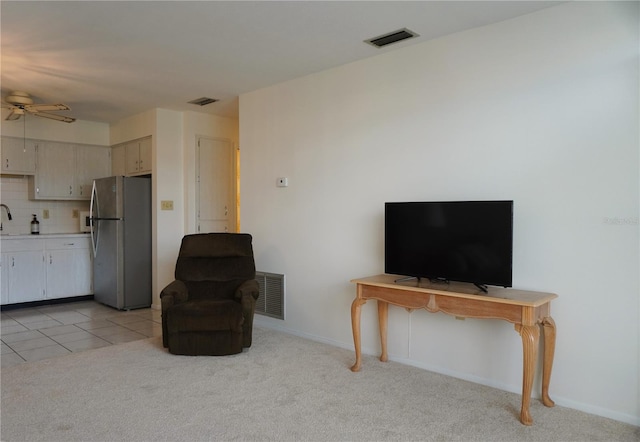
x: 111, y: 60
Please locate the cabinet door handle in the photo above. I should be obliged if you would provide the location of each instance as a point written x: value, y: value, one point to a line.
x: 69, y: 243
x: 7, y: 163
x: 50, y: 259
x: 70, y: 190
x: 13, y: 262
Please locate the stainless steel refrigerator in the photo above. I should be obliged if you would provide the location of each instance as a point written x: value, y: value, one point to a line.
x: 120, y: 219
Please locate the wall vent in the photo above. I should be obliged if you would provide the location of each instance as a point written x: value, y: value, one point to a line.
x: 271, y: 299
x: 391, y: 37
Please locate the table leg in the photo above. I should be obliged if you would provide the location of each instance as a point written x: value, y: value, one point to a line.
x: 383, y: 314
x: 549, y: 327
x: 355, y: 326
x: 530, y: 338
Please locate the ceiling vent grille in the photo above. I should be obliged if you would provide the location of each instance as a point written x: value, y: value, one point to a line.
x: 203, y: 101
x: 391, y: 37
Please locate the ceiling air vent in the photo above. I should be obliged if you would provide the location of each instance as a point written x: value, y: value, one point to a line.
x: 203, y: 101
x: 391, y: 37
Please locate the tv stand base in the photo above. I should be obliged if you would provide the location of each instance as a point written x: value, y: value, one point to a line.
x: 528, y: 311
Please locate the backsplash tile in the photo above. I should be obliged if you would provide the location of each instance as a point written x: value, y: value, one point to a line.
x: 14, y: 193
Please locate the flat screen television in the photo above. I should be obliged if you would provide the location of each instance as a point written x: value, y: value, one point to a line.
x: 466, y: 241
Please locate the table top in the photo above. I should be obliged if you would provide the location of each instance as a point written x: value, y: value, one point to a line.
x: 460, y: 290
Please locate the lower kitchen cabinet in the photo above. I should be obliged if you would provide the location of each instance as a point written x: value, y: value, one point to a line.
x: 68, y: 263
x: 23, y: 268
x: 37, y: 269
x: 26, y: 272
x: 4, y: 280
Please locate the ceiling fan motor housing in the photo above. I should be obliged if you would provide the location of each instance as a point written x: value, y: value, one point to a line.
x: 19, y: 98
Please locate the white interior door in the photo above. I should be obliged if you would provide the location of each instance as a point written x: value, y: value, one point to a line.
x: 215, y: 185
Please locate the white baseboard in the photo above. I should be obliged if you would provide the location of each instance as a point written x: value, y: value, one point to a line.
x: 273, y: 324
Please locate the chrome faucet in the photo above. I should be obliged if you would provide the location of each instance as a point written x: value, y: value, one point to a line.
x: 8, y: 214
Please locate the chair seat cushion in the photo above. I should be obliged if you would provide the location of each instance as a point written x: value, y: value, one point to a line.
x: 205, y: 315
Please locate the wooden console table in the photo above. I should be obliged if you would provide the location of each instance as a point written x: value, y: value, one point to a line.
x: 525, y: 309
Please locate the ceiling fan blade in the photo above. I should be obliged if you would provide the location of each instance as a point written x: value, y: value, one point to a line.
x: 46, y: 107
x: 13, y: 115
x: 54, y: 117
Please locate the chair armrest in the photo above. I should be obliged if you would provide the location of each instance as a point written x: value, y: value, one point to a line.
x: 247, y: 294
x: 247, y: 288
x: 174, y: 293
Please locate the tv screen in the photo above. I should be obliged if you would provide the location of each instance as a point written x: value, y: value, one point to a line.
x: 467, y: 241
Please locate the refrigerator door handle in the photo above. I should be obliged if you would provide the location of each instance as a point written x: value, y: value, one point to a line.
x: 93, y: 220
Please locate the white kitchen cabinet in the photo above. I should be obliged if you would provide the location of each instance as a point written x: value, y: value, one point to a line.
x: 36, y: 268
x: 68, y: 262
x: 66, y: 171
x: 4, y: 279
x: 91, y: 162
x: 18, y: 156
x: 55, y: 169
x: 138, y: 157
x: 145, y: 155
x: 23, y: 267
x: 26, y: 277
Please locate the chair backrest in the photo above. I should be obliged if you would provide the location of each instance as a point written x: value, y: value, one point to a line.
x: 216, y: 257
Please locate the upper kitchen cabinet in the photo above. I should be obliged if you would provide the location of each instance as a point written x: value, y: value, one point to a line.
x: 18, y: 156
x: 66, y: 171
x: 138, y: 157
x: 55, y: 167
x: 92, y: 162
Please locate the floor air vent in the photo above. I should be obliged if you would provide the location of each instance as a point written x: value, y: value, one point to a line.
x: 271, y: 299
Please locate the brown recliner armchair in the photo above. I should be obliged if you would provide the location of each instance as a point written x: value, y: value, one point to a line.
x: 208, y: 309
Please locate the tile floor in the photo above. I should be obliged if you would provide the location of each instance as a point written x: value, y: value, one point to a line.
x: 34, y: 333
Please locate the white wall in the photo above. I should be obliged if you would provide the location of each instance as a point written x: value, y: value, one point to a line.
x: 137, y: 126
x: 168, y: 184
x: 542, y: 109
x: 85, y: 132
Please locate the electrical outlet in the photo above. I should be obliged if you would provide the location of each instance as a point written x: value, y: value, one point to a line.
x: 166, y: 205
x: 45, y: 214
x: 76, y: 213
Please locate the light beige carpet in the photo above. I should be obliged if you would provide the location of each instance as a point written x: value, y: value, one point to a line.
x: 284, y: 388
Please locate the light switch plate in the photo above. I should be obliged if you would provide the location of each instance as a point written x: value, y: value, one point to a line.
x: 282, y: 182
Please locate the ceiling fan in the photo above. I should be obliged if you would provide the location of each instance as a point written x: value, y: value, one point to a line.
x: 20, y: 102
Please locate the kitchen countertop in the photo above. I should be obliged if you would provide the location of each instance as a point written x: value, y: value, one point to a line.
x: 42, y: 235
